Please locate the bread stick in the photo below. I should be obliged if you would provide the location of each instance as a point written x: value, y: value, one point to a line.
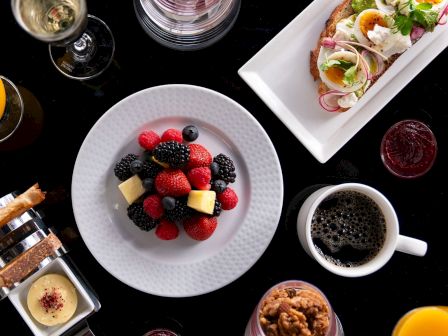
x: 20, y: 204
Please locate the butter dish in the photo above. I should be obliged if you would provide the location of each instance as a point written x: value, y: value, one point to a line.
x: 87, y: 302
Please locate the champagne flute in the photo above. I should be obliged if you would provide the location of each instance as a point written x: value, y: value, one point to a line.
x: 81, y: 45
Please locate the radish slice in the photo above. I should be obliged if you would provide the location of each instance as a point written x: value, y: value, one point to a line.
x: 363, y: 46
x: 328, y: 42
x: 328, y: 100
x: 417, y: 32
x: 443, y: 16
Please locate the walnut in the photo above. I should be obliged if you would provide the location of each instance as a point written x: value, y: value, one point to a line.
x: 294, y: 312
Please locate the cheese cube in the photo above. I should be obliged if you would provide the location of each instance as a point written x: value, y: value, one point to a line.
x: 132, y: 189
x: 202, y: 200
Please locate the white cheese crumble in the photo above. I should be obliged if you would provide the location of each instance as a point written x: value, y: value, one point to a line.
x: 348, y: 101
x: 388, y: 42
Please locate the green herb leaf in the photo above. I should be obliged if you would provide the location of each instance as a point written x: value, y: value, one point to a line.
x: 342, y: 64
x: 403, y: 23
x: 349, y: 75
x: 427, y: 18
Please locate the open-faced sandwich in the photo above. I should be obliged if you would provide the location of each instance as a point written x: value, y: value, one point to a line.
x: 361, y: 39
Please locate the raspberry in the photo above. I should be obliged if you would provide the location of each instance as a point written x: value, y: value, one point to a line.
x: 199, y: 156
x: 172, y: 134
x: 148, y: 140
x: 200, y: 227
x: 153, y: 206
x: 167, y: 230
x: 228, y: 199
x: 200, y: 177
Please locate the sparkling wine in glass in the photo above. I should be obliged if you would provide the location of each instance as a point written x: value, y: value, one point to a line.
x: 81, y: 45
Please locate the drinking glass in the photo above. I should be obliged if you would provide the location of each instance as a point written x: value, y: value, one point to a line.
x: 187, y: 24
x: 254, y: 328
x: 409, y: 149
x: 81, y: 45
x: 21, y: 116
x: 428, y: 320
x: 11, y: 108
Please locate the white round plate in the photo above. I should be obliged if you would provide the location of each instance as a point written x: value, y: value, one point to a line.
x: 181, y: 267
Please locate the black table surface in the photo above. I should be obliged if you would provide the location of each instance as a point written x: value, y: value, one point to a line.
x: 369, y: 305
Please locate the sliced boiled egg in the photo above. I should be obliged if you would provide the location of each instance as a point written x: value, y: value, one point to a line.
x: 366, y: 21
x: 386, y: 6
x: 334, y: 76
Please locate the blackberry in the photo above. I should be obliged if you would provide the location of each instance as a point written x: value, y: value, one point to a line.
x: 122, y: 169
x: 173, y: 153
x: 180, y: 212
x: 137, y: 214
x: 226, y: 168
x: 150, y: 169
x: 217, y: 209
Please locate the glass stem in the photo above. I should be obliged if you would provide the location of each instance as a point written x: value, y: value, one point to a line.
x: 84, y: 48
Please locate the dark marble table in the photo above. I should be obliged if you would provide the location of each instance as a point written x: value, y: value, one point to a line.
x: 369, y: 305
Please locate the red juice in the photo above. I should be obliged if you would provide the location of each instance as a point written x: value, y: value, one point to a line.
x: 408, y: 149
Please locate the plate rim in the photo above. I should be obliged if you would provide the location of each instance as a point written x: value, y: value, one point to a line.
x: 254, y: 122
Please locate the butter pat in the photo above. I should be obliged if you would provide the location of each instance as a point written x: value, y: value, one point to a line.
x: 202, y: 200
x: 132, y: 189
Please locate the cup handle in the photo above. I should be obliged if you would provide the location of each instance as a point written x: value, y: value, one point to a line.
x: 411, y: 246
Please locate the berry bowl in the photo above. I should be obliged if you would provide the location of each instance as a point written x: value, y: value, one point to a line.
x: 183, y: 266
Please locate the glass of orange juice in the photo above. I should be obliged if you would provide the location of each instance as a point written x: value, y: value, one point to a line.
x: 11, y: 108
x: 423, y: 321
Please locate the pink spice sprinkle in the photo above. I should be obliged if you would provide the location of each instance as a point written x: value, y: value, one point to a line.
x: 51, y: 300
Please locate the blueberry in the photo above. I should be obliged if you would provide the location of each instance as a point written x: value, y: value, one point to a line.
x: 219, y: 186
x: 136, y: 166
x: 148, y: 183
x: 190, y: 133
x: 169, y: 203
x: 214, y: 167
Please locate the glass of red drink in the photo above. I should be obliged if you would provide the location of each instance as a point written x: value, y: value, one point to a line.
x: 409, y: 149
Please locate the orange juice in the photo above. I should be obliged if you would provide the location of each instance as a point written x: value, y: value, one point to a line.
x: 424, y: 321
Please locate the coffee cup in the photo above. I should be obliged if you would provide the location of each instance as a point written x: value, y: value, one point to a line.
x: 352, y: 230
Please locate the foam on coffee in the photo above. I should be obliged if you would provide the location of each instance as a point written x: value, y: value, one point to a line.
x: 348, y: 228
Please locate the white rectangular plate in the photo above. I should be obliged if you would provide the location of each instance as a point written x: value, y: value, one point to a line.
x: 279, y: 74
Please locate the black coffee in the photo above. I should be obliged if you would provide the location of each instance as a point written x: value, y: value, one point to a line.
x: 348, y: 228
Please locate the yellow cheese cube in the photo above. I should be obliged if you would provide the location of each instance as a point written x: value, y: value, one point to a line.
x: 132, y: 189
x: 202, y: 200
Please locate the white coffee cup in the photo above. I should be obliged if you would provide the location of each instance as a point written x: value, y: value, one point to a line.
x: 393, y: 240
